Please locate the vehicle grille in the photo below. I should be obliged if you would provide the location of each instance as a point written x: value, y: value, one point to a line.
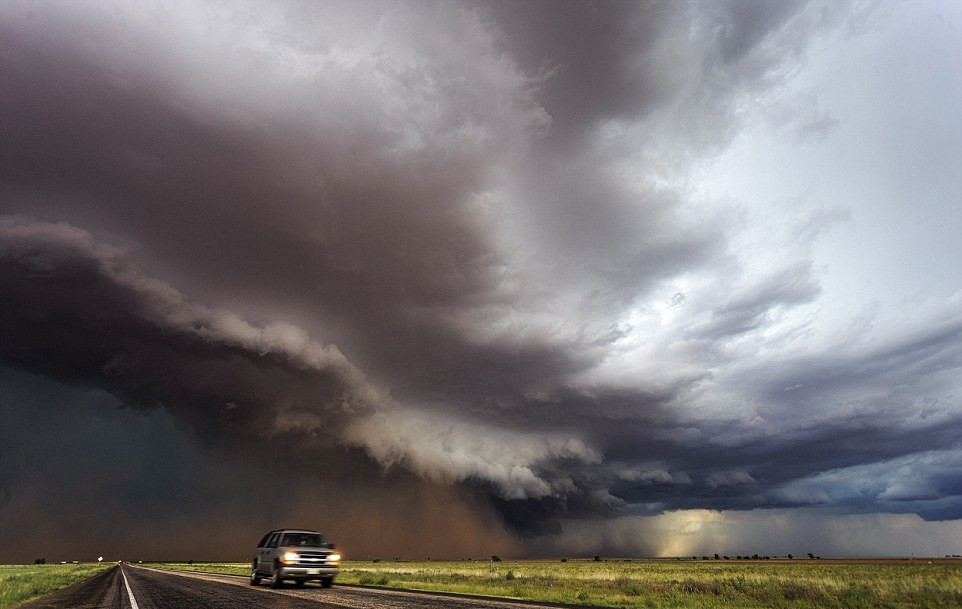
x: 313, y: 559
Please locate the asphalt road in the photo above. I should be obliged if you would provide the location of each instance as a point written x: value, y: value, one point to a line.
x: 128, y: 587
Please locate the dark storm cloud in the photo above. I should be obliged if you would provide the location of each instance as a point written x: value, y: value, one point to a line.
x: 441, y: 248
x: 76, y: 310
x: 232, y: 381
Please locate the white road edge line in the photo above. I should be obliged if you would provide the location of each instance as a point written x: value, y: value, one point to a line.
x: 130, y: 594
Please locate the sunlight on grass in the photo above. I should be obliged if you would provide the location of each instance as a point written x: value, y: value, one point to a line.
x: 683, y: 584
x: 668, y: 584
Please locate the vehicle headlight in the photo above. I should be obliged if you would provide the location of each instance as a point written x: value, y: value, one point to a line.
x: 334, y: 557
x: 291, y: 557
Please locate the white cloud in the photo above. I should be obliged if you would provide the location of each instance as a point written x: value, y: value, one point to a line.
x: 452, y: 451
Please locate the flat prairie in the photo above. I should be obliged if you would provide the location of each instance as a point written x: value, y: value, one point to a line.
x: 849, y: 583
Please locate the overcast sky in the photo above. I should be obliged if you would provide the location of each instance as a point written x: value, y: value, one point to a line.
x: 460, y: 279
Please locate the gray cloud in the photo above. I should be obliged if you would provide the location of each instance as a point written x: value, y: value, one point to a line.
x: 454, y: 249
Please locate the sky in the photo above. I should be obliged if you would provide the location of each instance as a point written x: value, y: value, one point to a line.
x: 450, y: 280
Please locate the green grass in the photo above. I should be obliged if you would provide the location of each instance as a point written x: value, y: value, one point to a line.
x: 228, y: 568
x: 20, y: 583
x: 683, y: 584
x: 670, y: 584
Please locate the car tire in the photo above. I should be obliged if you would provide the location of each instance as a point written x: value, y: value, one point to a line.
x: 276, y: 580
x: 255, y: 576
x: 326, y: 583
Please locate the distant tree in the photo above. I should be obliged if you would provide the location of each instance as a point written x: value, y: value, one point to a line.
x: 790, y: 557
x: 727, y: 558
x: 39, y: 561
x: 755, y: 556
x: 597, y: 558
x: 717, y: 557
x: 495, y: 558
x: 564, y: 560
x: 811, y: 556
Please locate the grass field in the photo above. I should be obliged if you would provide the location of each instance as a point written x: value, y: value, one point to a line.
x: 849, y: 584
x: 20, y: 583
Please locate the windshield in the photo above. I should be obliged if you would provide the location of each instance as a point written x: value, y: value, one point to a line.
x: 303, y: 539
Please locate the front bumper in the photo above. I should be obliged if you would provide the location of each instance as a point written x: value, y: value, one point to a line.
x: 299, y: 572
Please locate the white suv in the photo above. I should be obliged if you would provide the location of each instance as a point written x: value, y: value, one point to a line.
x: 296, y: 554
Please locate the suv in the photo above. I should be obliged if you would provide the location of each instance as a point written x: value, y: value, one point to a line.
x: 296, y: 554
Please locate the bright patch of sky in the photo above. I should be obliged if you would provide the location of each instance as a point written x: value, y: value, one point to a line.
x: 860, y: 155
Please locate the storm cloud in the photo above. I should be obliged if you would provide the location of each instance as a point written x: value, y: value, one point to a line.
x: 479, y: 278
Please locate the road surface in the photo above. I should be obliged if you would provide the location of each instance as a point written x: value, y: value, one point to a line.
x: 129, y: 587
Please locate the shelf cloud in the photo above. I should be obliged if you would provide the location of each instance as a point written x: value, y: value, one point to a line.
x: 613, y: 277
